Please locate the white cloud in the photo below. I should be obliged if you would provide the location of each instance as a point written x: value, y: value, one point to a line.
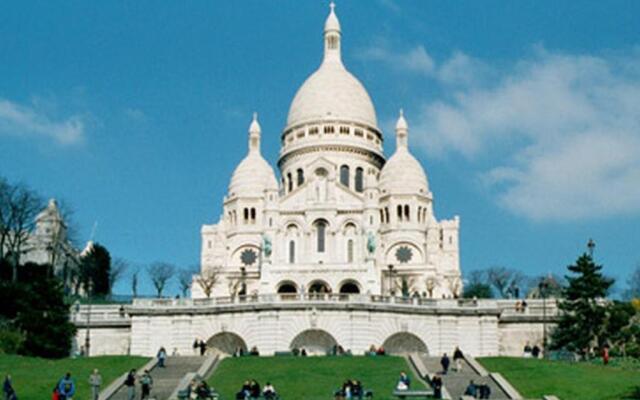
x: 20, y: 120
x: 557, y: 136
x: 414, y: 60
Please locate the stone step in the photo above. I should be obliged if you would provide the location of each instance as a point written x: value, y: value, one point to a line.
x: 457, y: 382
x: 165, y: 379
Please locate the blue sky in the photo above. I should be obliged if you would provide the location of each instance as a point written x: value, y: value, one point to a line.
x: 526, y: 115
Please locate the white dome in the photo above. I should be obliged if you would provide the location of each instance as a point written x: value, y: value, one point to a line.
x: 403, y: 174
x: 332, y: 93
x: 252, y: 177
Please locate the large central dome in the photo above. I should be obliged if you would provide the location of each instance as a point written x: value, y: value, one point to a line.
x: 332, y: 92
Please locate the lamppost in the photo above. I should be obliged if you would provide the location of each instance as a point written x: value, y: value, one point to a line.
x: 591, y: 245
x: 542, y: 287
x: 390, y: 279
x: 87, y: 340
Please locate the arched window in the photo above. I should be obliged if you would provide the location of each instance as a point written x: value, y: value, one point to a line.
x: 253, y: 215
x: 292, y: 252
x: 300, y: 174
x: 399, y: 208
x: 350, y: 251
x: 344, y: 175
x: 359, y: 180
x: 386, y: 215
x: 381, y: 216
x: 406, y: 212
x: 289, y: 182
x: 246, y: 215
x: 321, y: 231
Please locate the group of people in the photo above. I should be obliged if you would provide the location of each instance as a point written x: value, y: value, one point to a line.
x: 302, y: 352
x: 198, y: 389
x: 458, y: 358
x: 521, y: 306
x: 376, y: 351
x: 351, y: 389
x: 478, y: 391
x: 530, y: 352
x: 146, y: 384
x: 199, y: 347
x: 251, y: 390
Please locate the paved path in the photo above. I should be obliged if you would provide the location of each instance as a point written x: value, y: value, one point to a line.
x: 165, y: 379
x: 457, y: 382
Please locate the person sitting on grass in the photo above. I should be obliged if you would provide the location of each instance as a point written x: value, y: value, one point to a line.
x: 356, y: 389
x: 203, y: 391
x: 254, y: 389
x: 269, y: 392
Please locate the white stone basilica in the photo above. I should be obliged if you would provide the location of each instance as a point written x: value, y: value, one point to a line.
x: 343, y: 218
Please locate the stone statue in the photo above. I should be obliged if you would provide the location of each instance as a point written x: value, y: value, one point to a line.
x: 371, y: 243
x: 266, y: 245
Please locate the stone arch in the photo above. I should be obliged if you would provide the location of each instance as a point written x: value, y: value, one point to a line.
x: 314, y: 341
x: 287, y: 287
x: 349, y: 286
x: 404, y: 343
x: 318, y: 286
x: 226, y: 343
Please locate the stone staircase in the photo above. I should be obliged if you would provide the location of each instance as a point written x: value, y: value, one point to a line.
x: 457, y: 382
x: 166, y: 379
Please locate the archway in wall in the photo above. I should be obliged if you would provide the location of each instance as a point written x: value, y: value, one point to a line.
x: 319, y: 286
x: 287, y: 288
x: 349, y: 288
x: 226, y: 343
x: 404, y: 343
x: 314, y: 341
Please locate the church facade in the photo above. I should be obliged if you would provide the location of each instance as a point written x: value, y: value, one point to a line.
x: 343, y: 218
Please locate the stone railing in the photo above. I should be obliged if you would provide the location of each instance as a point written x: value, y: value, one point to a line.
x: 312, y: 298
x: 110, y: 314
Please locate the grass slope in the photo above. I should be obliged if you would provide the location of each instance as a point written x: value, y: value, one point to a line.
x: 534, y: 378
x: 310, y: 378
x: 34, y: 378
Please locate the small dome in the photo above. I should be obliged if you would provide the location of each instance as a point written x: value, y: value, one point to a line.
x: 403, y: 174
x: 252, y: 177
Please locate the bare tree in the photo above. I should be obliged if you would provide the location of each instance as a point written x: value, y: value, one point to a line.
x: 160, y: 273
x: 504, y: 279
x: 134, y: 281
x: 20, y: 206
x: 633, y: 291
x: 118, y: 268
x: 185, y: 278
x: 208, y: 279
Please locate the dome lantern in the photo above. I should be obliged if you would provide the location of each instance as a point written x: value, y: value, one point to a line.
x: 254, y: 134
x: 402, y: 132
x: 332, y: 36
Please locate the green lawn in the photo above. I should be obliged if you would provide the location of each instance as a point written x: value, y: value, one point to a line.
x: 569, y: 381
x: 310, y: 378
x: 34, y: 378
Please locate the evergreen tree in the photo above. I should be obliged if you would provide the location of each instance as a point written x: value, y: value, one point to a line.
x: 583, y: 318
x: 96, y: 271
x: 35, y: 307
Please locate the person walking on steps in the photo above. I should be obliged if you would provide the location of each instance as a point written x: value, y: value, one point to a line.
x: 162, y: 356
x: 130, y: 383
x: 444, y: 362
x: 458, y: 357
x: 146, y: 382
